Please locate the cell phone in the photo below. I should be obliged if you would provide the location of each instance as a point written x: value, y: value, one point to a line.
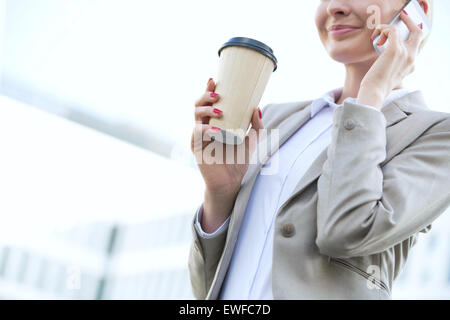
x: 416, y: 12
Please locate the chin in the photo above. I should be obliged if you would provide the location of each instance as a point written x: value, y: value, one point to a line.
x: 351, y: 54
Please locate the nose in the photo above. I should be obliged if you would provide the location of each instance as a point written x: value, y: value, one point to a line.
x: 338, y: 8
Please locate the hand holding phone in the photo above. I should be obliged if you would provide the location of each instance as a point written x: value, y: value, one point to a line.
x: 414, y: 10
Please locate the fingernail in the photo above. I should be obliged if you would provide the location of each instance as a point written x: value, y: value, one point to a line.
x: 405, y: 12
x: 260, y: 114
x: 209, y: 80
x: 215, y: 128
x: 213, y: 94
x: 217, y: 111
x: 421, y: 26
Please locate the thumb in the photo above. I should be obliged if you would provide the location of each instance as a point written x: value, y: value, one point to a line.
x: 257, y: 122
x: 251, y: 139
x: 211, y: 86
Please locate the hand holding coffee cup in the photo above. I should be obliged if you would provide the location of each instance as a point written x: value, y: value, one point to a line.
x: 221, y: 178
x: 245, y: 67
x: 224, y: 112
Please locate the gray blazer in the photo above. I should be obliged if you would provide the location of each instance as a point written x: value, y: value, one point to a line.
x: 347, y: 229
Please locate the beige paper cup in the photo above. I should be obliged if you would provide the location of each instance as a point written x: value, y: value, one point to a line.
x: 245, y: 67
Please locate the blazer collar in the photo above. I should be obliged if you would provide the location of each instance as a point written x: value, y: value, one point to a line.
x: 396, y: 111
x: 411, y: 102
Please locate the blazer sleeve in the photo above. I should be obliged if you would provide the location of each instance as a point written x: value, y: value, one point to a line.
x: 200, y: 229
x: 204, y: 256
x: 364, y: 208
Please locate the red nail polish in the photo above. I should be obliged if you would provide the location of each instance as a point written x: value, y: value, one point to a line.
x: 421, y: 26
x: 213, y: 94
x: 405, y: 12
x: 215, y: 128
x: 209, y: 80
x: 260, y: 114
x: 217, y: 111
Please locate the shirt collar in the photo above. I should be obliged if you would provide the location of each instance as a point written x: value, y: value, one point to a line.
x: 329, y: 98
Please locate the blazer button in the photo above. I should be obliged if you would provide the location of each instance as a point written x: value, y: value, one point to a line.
x: 288, y: 230
x: 349, y: 124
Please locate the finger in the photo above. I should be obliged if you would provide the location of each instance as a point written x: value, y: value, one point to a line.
x: 416, y: 32
x: 375, y: 33
x: 210, y: 130
x: 383, y: 36
x: 200, y: 137
x: 257, y: 123
x: 210, y: 88
x: 377, y: 30
x: 206, y: 113
x: 211, y: 85
x: 390, y: 33
x: 252, y: 137
x: 207, y: 99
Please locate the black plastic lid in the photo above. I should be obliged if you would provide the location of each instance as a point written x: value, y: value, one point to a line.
x: 252, y: 44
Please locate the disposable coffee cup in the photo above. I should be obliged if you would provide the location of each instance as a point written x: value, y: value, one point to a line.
x: 245, y: 67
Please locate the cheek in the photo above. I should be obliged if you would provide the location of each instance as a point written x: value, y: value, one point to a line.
x: 321, y: 20
x: 387, y: 9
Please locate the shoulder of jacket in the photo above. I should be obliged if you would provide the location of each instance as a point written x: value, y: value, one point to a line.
x: 445, y: 123
x: 274, y: 113
x: 438, y: 121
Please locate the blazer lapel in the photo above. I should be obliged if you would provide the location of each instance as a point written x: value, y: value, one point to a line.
x: 286, y: 129
x: 393, y: 113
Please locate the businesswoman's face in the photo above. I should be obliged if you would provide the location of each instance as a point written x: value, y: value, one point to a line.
x: 353, y: 45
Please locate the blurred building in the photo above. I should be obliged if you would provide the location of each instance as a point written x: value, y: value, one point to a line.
x: 100, y: 261
x: 88, y: 216
x: 427, y: 272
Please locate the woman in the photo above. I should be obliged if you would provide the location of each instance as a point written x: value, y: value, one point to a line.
x: 362, y: 171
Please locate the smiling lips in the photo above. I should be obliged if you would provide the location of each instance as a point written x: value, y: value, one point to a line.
x: 340, y: 29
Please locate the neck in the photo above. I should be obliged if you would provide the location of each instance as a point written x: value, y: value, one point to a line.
x: 355, y: 73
